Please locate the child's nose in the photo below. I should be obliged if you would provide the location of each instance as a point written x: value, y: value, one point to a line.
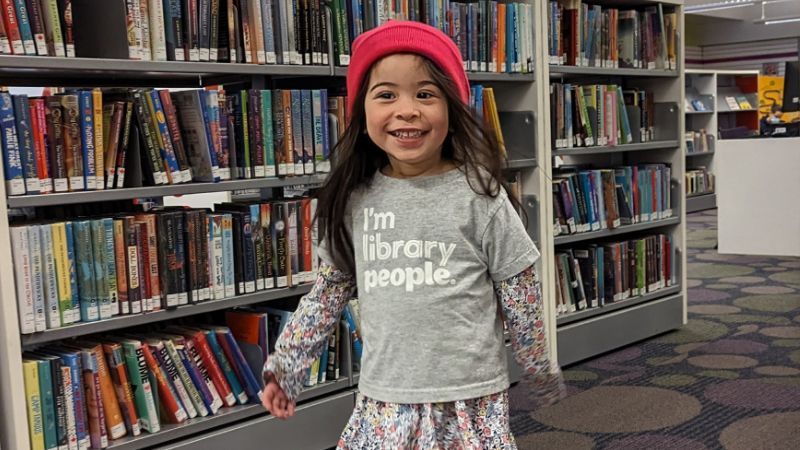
x: 406, y: 108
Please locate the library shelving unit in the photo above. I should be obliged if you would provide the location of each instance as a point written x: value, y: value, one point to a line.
x: 589, y: 332
x: 737, y: 103
x: 323, y: 410
x: 700, y: 109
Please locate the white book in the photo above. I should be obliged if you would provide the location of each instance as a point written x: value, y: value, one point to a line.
x: 295, y: 57
x: 37, y: 277
x: 52, y: 315
x: 158, y: 38
x: 20, y: 247
x: 144, y: 26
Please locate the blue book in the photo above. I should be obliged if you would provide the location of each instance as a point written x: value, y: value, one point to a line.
x: 27, y: 153
x: 323, y: 365
x: 110, y: 265
x: 357, y: 345
x: 239, y: 362
x: 229, y: 271
x: 198, y: 380
x: 12, y: 162
x: 225, y: 365
x: 86, y: 105
x: 587, y: 190
x: 212, y: 148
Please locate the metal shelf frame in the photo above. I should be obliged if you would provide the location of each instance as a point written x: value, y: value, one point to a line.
x: 625, y: 229
x: 596, y: 150
x: 557, y: 71
x: 613, y: 306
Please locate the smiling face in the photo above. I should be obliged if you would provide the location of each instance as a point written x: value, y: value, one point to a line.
x: 406, y: 113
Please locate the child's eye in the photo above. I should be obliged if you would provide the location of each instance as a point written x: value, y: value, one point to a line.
x: 385, y: 95
x: 425, y: 95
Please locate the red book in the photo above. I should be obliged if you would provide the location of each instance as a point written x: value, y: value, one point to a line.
x: 12, y: 27
x: 144, y: 267
x: 39, y: 130
x: 304, y: 241
x: 166, y: 396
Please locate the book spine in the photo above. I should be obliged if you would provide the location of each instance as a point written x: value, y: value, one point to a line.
x: 99, y: 144
x: 265, y: 119
x: 94, y: 403
x: 87, y: 139
x: 205, y: 261
x: 38, y: 126
x: 305, y: 241
x: 24, y: 24
x: 307, y: 113
x: 167, y: 397
x: 213, y: 151
x: 140, y: 384
x: 196, y: 361
x: 97, y: 268
x: 175, y: 134
x: 196, y: 379
x: 216, y: 256
x: 204, y: 29
x: 227, y: 369
x: 53, y: 36
x: 213, y: 367
x: 25, y: 139
x: 247, y: 157
x: 12, y: 159
x: 59, y: 419
x: 266, y: 233
x: 115, y: 425
x: 55, y: 131
x: 215, y: 137
x: 256, y: 134
x: 20, y: 245
x: 122, y: 386
x: 293, y: 253
x: 51, y: 294
x: 296, y: 112
x: 168, y: 151
x: 62, y: 269
x: 170, y: 37
x: 37, y: 27
x: 33, y: 402
x: 9, y: 19
x: 73, y: 158
x: 159, y: 350
x: 191, y: 391
x: 319, y: 131
x: 258, y: 246
x: 151, y: 158
x: 37, y: 277
x: 227, y: 243
x: 279, y: 244
x: 279, y: 137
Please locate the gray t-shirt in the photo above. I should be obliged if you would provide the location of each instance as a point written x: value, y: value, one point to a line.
x: 426, y: 251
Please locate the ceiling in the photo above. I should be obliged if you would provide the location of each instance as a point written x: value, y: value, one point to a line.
x: 751, y: 10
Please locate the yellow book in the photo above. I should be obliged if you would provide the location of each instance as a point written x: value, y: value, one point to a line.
x: 61, y: 256
x: 493, y: 117
x: 30, y: 372
x: 99, y: 147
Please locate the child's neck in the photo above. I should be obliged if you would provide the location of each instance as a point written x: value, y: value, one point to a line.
x: 397, y: 169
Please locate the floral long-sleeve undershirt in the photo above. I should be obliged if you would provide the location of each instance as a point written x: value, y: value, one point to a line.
x: 304, y: 337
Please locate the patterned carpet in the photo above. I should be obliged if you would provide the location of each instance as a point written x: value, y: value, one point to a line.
x: 730, y: 379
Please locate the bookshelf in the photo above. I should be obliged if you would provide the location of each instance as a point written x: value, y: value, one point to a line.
x: 519, y: 96
x: 592, y: 331
x: 700, y: 108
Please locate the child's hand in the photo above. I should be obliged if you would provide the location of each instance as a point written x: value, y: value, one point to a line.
x: 274, y: 399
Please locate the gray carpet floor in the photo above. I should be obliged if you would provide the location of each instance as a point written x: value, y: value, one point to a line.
x: 729, y: 379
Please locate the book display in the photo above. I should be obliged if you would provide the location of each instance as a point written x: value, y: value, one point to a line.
x: 701, y: 138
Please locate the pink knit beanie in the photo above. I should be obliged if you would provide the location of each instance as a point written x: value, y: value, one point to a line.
x: 404, y: 37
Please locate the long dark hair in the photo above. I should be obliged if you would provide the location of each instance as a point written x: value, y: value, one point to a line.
x: 469, y: 145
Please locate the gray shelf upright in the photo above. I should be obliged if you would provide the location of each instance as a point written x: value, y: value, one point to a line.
x: 652, y: 145
x: 64, y: 198
x: 120, y: 322
x: 624, y: 229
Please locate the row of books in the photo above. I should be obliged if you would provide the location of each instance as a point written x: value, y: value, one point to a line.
x: 493, y: 36
x: 598, y: 199
x: 87, y: 393
x: 596, y: 275
x: 585, y: 35
x: 598, y: 115
x: 484, y: 104
x: 88, y: 140
x: 94, y: 268
x: 699, y: 181
x: 36, y: 27
x: 699, y: 141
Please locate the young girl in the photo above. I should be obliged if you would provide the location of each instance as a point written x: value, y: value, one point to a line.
x: 415, y: 217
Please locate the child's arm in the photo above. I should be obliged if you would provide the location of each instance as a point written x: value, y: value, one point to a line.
x: 302, y: 340
x: 521, y: 299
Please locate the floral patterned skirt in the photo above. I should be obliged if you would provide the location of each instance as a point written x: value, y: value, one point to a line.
x: 475, y: 424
